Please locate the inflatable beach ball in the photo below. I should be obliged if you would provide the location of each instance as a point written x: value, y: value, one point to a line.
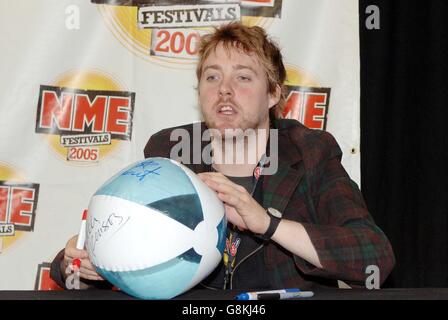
x: 155, y: 229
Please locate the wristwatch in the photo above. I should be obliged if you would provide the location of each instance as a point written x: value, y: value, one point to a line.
x: 275, y: 216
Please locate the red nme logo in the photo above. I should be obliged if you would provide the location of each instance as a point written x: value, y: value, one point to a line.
x: 308, y: 105
x: 84, y: 154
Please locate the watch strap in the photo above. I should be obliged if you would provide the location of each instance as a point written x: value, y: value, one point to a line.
x: 273, y: 224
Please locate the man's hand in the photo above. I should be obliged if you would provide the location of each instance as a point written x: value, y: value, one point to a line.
x: 242, y: 209
x: 86, y: 270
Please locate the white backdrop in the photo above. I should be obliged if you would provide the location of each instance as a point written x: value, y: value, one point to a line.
x: 57, y: 56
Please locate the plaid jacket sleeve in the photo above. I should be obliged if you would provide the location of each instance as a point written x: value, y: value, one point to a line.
x: 346, y: 238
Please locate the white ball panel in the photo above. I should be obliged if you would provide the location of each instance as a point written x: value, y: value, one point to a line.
x: 123, y: 232
x: 208, y: 263
x: 205, y: 238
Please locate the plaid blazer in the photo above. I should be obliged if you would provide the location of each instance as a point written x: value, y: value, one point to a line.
x: 312, y: 188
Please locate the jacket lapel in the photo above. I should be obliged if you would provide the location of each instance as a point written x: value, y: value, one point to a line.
x: 278, y: 188
x: 201, y: 166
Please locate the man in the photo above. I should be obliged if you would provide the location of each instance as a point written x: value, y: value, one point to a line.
x: 301, y: 225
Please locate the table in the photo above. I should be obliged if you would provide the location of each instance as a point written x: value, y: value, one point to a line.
x: 228, y: 295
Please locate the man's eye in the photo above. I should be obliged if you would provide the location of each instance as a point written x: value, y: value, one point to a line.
x: 244, y: 78
x: 210, y: 76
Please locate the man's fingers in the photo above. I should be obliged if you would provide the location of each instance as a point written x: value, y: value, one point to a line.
x: 74, y: 253
x: 210, y: 174
x: 88, y: 273
x: 223, y: 187
x: 89, y: 276
x: 220, y: 179
x: 87, y: 264
x: 232, y: 200
x: 234, y: 218
x: 88, y: 268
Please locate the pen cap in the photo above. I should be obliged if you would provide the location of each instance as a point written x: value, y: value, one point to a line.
x: 242, y: 296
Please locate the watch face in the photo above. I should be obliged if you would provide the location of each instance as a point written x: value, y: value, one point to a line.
x: 275, y: 212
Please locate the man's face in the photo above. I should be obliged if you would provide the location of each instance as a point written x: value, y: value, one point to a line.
x: 233, y: 91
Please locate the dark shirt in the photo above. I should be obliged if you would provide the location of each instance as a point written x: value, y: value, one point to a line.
x: 251, y: 273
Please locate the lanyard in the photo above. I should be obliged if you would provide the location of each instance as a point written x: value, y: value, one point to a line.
x: 234, y: 240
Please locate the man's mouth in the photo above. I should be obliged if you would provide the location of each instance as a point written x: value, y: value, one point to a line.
x: 227, y: 110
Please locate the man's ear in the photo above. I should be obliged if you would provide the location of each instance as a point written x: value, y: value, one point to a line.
x: 274, y: 97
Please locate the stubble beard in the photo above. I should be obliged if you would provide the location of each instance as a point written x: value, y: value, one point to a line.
x: 234, y: 131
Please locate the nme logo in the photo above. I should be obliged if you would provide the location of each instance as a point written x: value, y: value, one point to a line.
x: 87, y: 121
x: 308, y: 105
x: 64, y: 111
x: 43, y: 280
x: 18, y: 204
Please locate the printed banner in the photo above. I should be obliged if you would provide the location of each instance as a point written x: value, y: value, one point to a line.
x: 84, y: 84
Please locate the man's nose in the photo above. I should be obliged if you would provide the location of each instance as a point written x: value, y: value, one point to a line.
x: 225, y: 88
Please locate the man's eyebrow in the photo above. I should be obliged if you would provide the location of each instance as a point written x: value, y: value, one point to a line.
x: 213, y: 66
x: 242, y: 66
x: 236, y: 67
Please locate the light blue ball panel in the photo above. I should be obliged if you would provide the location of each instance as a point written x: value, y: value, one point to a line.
x: 222, y: 229
x: 148, y: 181
x: 163, y: 281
